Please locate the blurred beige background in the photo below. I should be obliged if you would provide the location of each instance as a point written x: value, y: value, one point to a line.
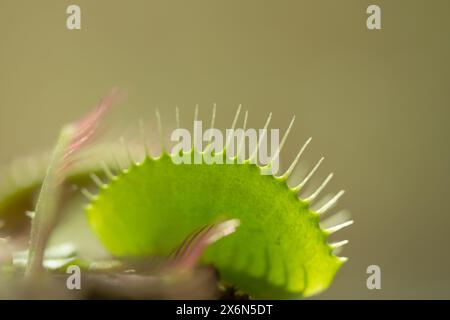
x: 376, y: 103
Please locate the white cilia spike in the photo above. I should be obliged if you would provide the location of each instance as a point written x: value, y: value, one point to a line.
x: 196, y: 113
x: 116, y: 161
x: 338, y: 244
x: 233, y: 126
x: 127, y: 150
x: 283, y: 140
x: 177, y: 117
x: 255, y: 152
x: 335, y: 219
x: 107, y: 171
x: 242, y: 142
x: 319, y: 189
x: 213, y: 117
x: 87, y: 194
x: 343, y: 259
x: 310, y: 174
x: 294, y: 163
x: 30, y: 214
x: 194, y: 133
x: 97, y: 180
x: 339, y: 227
x: 331, y: 203
x: 160, y: 129
x: 143, y: 137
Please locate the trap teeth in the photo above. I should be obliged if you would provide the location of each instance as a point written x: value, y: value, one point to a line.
x: 331, y: 203
x: 310, y: 174
x: 213, y: 117
x: 338, y: 244
x: 233, y: 126
x: 107, y: 171
x: 88, y: 194
x: 253, y: 157
x: 319, y: 189
x: 160, y: 130
x: 339, y: 227
x: 97, y: 180
x: 177, y: 117
x: 297, y: 158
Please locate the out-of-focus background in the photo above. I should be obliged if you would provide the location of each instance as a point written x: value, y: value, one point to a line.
x: 376, y: 103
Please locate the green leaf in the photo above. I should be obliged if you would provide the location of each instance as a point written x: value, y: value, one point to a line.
x: 279, y: 250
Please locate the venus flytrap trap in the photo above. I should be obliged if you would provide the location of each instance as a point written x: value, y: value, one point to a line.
x: 279, y: 251
x: 147, y: 209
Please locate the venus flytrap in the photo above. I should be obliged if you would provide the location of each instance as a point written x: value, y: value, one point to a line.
x: 146, y: 209
x: 279, y: 251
